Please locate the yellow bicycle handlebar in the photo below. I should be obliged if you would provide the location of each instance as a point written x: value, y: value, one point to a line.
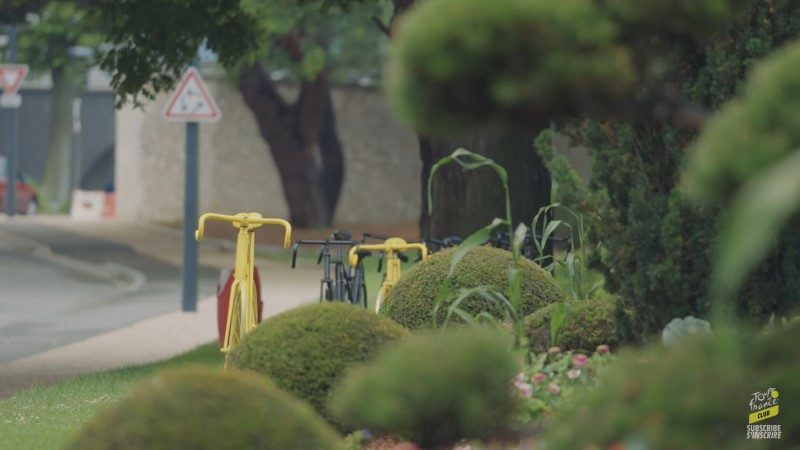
x: 244, y: 220
x: 391, y: 245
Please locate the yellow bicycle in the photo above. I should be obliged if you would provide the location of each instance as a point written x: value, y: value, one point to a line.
x: 392, y: 249
x: 242, y: 314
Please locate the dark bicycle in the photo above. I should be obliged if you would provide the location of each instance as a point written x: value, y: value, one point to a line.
x: 528, y: 249
x: 339, y: 282
x: 502, y: 240
x: 435, y: 245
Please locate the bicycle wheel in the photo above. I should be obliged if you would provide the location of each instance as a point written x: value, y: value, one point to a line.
x: 362, y: 300
x: 355, y: 295
x: 325, y: 291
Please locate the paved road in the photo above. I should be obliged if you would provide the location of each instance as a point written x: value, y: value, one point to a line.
x: 43, y: 306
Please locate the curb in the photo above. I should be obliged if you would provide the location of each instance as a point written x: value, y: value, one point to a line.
x: 126, y: 278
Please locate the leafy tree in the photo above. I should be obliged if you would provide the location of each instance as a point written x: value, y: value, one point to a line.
x: 47, y: 43
x: 253, y: 40
x: 152, y: 41
x: 48, y: 32
x: 250, y: 35
x: 747, y: 157
x: 465, y: 203
x: 302, y: 135
x: 14, y: 11
x: 637, y: 110
x: 656, y: 246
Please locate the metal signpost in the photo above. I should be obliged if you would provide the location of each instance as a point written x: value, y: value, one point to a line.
x: 11, y: 76
x: 191, y: 103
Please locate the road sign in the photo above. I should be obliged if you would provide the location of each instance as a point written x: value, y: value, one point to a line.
x: 11, y: 76
x: 191, y: 102
x: 10, y: 101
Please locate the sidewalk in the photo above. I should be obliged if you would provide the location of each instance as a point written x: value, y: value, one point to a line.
x: 162, y: 336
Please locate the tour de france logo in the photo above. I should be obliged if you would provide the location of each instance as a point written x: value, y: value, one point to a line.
x: 763, y: 407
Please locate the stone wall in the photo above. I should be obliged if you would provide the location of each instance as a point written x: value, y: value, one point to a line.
x: 237, y: 172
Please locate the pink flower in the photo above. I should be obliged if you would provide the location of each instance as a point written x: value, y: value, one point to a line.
x: 574, y: 374
x: 539, y: 378
x: 553, y: 388
x: 520, y: 383
x: 603, y: 349
x: 525, y: 389
x: 580, y: 360
x: 553, y: 351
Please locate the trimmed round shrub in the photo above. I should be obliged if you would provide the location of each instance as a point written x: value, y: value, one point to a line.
x: 695, y: 396
x: 200, y: 408
x: 434, y: 389
x: 306, y: 350
x: 412, y: 300
x: 589, y: 323
x: 458, y: 64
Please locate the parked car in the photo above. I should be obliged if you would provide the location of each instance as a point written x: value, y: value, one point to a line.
x: 26, y: 203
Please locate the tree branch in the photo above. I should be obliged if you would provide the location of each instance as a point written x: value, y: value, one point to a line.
x: 262, y: 96
x: 381, y: 26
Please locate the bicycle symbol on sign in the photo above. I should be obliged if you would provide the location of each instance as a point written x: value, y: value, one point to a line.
x: 192, y: 101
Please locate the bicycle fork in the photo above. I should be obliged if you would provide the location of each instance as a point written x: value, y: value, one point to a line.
x: 242, y: 270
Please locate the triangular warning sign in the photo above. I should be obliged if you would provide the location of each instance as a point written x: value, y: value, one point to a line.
x: 11, y: 76
x: 191, y: 102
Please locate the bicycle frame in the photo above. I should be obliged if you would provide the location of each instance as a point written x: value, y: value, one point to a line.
x: 337, y: 285
x: 247, y: 223
x: 391, y: 248
x: 434, y: 245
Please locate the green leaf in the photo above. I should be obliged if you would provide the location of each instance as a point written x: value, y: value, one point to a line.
x: 469, y: 161
x: 313, y: 62
x: 515, y: 287
x: 758, y: 211
x: 475, y: 239
x: 444, y: 291
x: 488, y: 293
x: 560, y: 313
x: 519, y: 237
x: 541, y: 214
x: 549, y: 229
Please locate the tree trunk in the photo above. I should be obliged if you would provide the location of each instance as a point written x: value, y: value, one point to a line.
x: 303, y: 141
x: 332, y: 155
x: 56, y: 180
x: 464, y: 201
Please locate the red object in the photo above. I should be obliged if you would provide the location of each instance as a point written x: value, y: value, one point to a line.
x: 11, y: 76
x: 110, y: 205
x: 25, y: 197
x: 224, y: 295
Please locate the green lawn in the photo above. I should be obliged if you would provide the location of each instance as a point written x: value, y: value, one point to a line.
x: 43, y: 418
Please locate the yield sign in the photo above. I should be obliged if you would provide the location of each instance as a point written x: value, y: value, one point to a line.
x: 11, y: 76
x: 191, y: 102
